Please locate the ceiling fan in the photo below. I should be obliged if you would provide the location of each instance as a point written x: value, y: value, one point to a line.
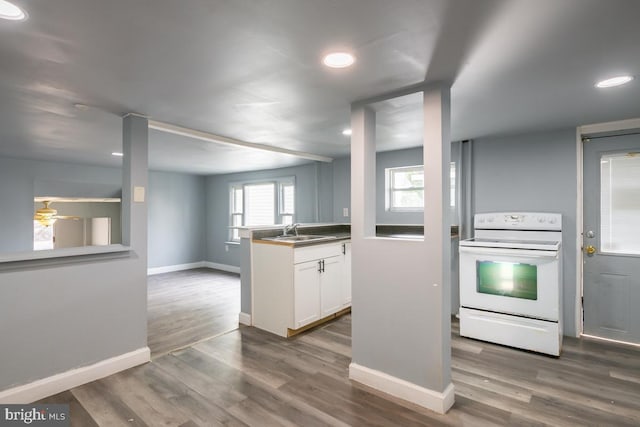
x: 48, y: 216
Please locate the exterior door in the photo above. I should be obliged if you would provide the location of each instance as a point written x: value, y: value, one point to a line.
x: 611, y: 237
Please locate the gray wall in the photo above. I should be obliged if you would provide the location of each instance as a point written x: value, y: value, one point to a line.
x: 341, y: 189
x: 534, y: 172
x: 177, y: 209
x: 387, y: 159
x: 21, y: 180
x: 61, y: 314
x: 314, y: 203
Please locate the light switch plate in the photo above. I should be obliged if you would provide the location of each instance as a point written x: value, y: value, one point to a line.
x: 138, y: 194
x: 345, y: 211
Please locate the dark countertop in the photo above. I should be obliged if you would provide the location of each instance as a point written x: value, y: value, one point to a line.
x: 341, y: 232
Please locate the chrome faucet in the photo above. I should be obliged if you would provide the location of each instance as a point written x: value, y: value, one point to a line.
x: 289, y: 228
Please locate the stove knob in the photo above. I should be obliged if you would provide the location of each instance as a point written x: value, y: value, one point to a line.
x: 541, y: 219
x: 481, y: 220
x: 552, y: 220
x: 490, y: 219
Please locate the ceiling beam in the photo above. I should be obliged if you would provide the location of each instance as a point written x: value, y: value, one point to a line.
x: 218, y: 139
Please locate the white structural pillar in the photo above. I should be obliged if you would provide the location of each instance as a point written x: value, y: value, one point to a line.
x: 401, y: 288
x: 135, y: 146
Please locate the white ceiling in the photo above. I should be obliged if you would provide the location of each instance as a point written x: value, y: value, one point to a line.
x: 251, y: 70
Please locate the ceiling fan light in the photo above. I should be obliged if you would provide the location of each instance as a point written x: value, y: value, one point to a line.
x: 48, y: 222
x: 11, y: 12
x: 46, y: 215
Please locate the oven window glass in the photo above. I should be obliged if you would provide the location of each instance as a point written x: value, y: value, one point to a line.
x: 507, y: 279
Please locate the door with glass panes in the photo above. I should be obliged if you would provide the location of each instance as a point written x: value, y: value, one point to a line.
x: 611, y: 237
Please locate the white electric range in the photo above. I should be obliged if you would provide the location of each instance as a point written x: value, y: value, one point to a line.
x: 511, y: 280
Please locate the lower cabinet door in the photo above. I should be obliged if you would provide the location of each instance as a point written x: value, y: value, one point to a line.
x: 306, y: 293
x: 331, y: 285
x: 346, y: 285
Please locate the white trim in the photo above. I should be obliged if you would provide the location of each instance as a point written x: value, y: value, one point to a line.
x: 614, y: 126
x: 578, y: 318
x: 244, y: 319
x: 55, y: 384
x: 439, y: 402
x: 177, y: 267
x: 632, y: 344
x: 223, y: 267
x: 609, y: 126
x: 192, y: 265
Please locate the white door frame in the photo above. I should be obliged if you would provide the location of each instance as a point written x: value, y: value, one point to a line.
x: 581, y: 131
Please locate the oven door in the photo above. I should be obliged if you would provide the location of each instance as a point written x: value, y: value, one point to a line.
x: 512, y: 281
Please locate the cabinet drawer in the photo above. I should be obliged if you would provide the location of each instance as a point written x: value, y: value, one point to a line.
x: 311, y: 253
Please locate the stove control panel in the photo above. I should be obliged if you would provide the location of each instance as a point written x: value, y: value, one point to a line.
x: 518, y: 221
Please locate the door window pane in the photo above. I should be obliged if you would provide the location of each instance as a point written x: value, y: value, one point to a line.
x: 42, y: 236
x: 507, y: 279
x: 620, y: 203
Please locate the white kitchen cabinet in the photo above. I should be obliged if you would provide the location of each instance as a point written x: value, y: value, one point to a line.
x: 294, y: 287
x: 331, y: 284
x: 306, y: 291
x: 346, y: 275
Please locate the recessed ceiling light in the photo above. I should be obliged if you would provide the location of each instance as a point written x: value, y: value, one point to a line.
x: 115, y: 153
x: 339, y: 60
x: 81, y: 107
x: 346, y: 132
x: 614, y: 81
x: 11, y: 12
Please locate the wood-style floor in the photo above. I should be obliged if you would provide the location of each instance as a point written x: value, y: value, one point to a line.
x: 186, y: 307
x: 251, y: 377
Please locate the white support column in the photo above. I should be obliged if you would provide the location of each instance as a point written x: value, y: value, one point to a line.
x: 363, y: 172
x: 401, y: 287
x: 437, y: 217
x: 135, y: 143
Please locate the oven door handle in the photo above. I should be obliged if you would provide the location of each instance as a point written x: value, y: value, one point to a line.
x: 529, y: 253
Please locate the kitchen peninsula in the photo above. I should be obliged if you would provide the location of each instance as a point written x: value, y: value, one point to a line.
x: 302, y: 278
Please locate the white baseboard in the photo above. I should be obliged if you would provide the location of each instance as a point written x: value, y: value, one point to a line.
x: 177, y: 267
x: 55, y: 384
x: 244, y: 319
x: 223, y: 267
x: 439, y: 402
x: 191, y: 265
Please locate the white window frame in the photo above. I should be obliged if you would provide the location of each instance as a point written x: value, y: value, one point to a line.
x: 390, y: 189
x: 279, y: 214
x: 453, y: 186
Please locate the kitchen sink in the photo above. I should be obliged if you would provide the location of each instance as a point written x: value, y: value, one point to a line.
x: 299, y: 238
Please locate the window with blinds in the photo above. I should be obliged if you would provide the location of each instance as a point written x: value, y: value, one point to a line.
x: 260, y: 203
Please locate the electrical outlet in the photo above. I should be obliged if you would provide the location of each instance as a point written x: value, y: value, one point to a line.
x: 345, y: 211
x: 226, y: 248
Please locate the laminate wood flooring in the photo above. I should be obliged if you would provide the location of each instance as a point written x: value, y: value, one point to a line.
x: 186, y: 307
x: 250, y: 377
